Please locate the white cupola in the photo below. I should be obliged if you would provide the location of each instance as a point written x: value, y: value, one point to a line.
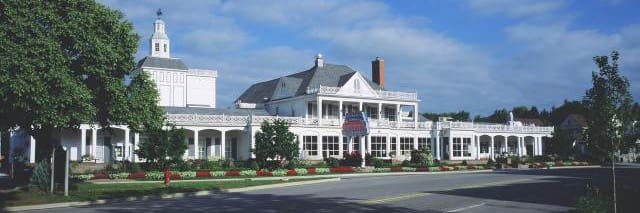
x: 159, y: 45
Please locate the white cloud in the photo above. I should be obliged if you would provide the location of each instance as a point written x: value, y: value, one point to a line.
x: 516, y: 8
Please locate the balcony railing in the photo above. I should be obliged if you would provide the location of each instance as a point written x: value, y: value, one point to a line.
x: 405, y: 96
x: 231, y: 120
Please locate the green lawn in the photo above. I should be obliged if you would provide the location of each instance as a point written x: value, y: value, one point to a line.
x: 88, y: 191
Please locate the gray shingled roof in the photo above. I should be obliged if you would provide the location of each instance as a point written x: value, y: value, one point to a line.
x: 327, y: 75
x: 167, y: 63
x: 214, y: 111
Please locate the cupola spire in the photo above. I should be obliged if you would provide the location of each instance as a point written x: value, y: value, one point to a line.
x: 159, y: 45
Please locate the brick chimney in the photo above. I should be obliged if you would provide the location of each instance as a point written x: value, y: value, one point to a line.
x: 377, y: 71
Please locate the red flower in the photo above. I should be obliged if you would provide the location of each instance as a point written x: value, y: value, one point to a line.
x: 175, y: 176
x: 396, y: 169
x: 203, y: 173
x: 422, y: 169
x: 292, y: 172
x: 442, y: 168
x: 137, y: 175
x: 341, y: 169
x: 311, y: 170
x: 100, y: 176
x: 558, y: 163
x: 263, y: 173
x: 232, y: 173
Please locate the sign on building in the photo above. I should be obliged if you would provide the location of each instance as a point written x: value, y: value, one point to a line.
x: 355, y: 124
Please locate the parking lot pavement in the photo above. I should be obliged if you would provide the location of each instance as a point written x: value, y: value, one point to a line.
x: 505, y: 191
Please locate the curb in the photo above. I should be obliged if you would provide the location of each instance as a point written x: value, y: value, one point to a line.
x: 160, y: 197
x: 576, y: 167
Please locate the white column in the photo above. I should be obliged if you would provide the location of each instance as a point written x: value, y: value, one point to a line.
x: 195, y: 144
x: 388, y: 142
x: 505, y: 148
x: 253, y: 142
x: 83, y: 142
x: 350, y: 144
x: 32, y: 150
x: 127, y: 147
x: 398, y: 147
x: 519, y: 145
x: 340, y: 145
x: 397, y: 112
x: 223, y: 144
x: 379, y: 111
x: 320, y: 150
x: 300, y: 148
x: 491, y: 151
x: 362, y: 153
x: 415, y: 142
x: 450, y: 146
x: 94, y: 142
x: 136, y: 141
x: 437, y: 152
x: 340, y: 114
x: 415, y: 116
x: 368, y: 144
x: 477, y: 146
x: 319, y: 111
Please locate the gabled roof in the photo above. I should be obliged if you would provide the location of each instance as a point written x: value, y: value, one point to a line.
x: 215, y: 111
x: 166, y: 63
x: 328, y: 75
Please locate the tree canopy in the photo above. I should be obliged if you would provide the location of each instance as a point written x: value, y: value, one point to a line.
x: 275, y: 142
x: 64, y: 63
x: 163, y: 146
x: 608, y: 104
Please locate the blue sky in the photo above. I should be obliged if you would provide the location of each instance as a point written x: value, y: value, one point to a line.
x: 475, y: 55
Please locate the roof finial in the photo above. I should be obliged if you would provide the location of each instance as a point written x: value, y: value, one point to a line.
x: 159, y: 12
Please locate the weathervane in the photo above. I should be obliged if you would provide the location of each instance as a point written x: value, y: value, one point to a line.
x: 159, y: 13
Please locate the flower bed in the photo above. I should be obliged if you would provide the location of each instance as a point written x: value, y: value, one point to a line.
x: 137, y: 175
x: 158, y: 175
x: 342, y: 169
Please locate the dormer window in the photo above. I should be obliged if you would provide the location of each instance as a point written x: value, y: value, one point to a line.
x: 157, y: 47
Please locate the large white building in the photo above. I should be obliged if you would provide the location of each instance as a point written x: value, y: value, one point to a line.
x: 313, y: 102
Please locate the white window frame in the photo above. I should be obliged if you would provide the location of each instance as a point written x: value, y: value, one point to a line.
x: 310, y: 145
x: 406, y: 145
x: 330, y: 146
x: 379, y: 146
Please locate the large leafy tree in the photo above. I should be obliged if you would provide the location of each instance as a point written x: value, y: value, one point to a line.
x: 275, y: 142
x: 64, y: 63
x: 608, y: 104
x: 163, y: 146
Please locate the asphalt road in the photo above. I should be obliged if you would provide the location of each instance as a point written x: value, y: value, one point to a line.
x: 505, y: 191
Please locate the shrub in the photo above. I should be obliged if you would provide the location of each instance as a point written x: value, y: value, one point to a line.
x: 322, y: 170
x: 294, y: 163
x: 217, y: 173
x: 279, y: 172
x: 382, y: 169
x: 119, y: 176
x: 434, y: 169
x: 377, y: 162
x: 406, y: 163
x: 352, y: 159
x: 332, y: 162
x: 408, y: 169
x: 248, y: 173
x: 549, y: 164
x: 155, y: 175
x: 301, y: 171
x: 461, y: 167
x: 253, y: 165
x: 84, y: 177
x: 592, y: 202
x: 41, y: 177
x: 464, y: 162
x: 187, y: 175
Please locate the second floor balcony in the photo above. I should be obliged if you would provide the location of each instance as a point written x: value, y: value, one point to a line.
x: 382, y: 94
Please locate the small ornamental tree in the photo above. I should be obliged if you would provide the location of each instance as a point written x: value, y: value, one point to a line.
x: 163, y: 146
x: 275, y: 142
x: 608, y: 105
